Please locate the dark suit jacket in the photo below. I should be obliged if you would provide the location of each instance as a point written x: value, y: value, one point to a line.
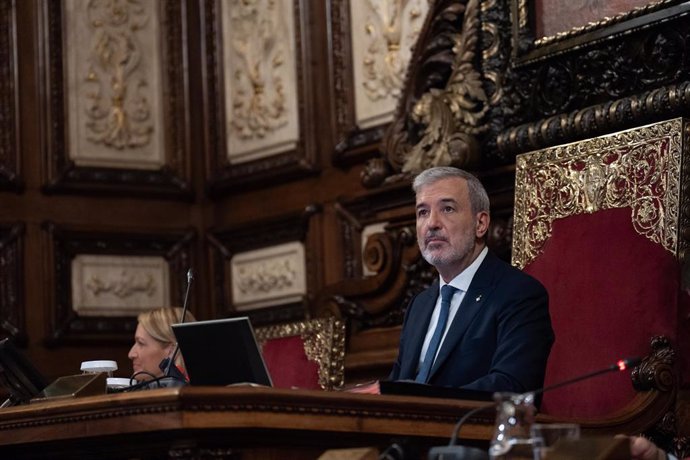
x: 499, y: 340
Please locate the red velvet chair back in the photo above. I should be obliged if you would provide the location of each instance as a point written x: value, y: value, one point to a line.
x: 307, y: 354
x: 597, y: 223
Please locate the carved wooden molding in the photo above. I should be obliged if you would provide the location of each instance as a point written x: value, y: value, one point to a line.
x: 64, y: 243
x: 9, y: 99
x: 12, y: 282
x: 621, y: 73
x: 222, y: 174
x: 656, y: 370
x: 657, y: 373
x: 530, y: 47
x: 443, y: 108
x: 379, y: 300
x: 226, y: 243
x: 235, y: 402
x: 61, y: 174
x: 385, y: 68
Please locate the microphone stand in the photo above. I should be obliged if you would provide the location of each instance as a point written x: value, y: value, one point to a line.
x: 170, y: 369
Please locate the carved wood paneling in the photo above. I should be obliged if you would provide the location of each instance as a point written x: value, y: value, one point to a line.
x: 223, y: 174
x: 61, y: 174
x: 64, y: 243
x: 11, y: 283
x: 224, y: 244
x: 492, y: 99
x: 619, y: 75
x: 444, y: 104
x: 354, y: 143
x: 9, y: 99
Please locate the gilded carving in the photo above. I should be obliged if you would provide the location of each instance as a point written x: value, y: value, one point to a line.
x: 638, y: 168
x: 384, y: 31
x: 607, y: 21
x: 444, y: 110
x: 452, y: 116
x: 324, y: 344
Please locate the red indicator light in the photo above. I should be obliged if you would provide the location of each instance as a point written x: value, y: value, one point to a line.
x: 622, y: 365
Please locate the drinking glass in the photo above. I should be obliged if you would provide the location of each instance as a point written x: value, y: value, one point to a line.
x: 546, y: 435
x: 514, y: 416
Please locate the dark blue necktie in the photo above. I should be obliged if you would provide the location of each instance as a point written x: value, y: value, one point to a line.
x: 447, y: 292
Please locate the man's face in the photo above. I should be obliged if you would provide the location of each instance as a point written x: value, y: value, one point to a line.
x: 448, y: 233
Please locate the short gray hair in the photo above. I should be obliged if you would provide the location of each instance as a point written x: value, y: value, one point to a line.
x: 479, y: 199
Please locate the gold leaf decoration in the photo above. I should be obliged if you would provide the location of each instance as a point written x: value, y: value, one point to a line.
x: 637, y: 168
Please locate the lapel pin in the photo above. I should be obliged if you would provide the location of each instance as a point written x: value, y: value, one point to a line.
x: 479, y: 297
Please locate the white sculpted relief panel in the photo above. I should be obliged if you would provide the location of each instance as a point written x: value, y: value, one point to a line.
x: 269, y: 276
x: 260, y: 78
x: 383, y: 33
x: 118, y: 285
x: 114, y: 83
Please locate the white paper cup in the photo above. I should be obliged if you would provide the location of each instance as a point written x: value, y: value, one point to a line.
x: 117, y: 383
x: 94, y: 367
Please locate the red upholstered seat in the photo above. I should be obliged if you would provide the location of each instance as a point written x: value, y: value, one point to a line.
x: 306, y: 354
x: 597, y: 222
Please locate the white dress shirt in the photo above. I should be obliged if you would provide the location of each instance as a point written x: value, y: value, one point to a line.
x: 462, y: 283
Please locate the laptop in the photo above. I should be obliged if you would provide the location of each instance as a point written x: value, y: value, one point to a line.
x: 221, y: 352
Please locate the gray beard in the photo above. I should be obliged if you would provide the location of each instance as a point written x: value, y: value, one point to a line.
x: 448, y: 259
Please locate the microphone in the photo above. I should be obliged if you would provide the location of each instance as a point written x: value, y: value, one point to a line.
x: 457, y: 452
x: 170, y: 370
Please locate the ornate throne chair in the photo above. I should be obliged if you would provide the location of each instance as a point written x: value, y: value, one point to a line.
x: 306, y: 354
x: 600, y: 223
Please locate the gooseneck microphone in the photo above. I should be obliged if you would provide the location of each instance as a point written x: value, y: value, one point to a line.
x: 453, y: 451
x: 169, y: 366
x: 620, y: 365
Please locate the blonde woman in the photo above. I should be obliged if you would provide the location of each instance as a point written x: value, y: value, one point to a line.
x: 154, y: 341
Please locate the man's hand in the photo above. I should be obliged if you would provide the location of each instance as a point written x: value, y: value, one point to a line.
x: 369, y: 388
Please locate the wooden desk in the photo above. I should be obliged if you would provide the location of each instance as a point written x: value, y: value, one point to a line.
x: 239, y: 422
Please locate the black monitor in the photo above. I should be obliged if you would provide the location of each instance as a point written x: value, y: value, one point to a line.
x: 18, y: 375
x: 221, y: 352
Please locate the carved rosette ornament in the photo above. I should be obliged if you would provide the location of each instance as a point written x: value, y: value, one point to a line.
x: 638, y: 168
x: 445, y: 103
x: 324, y: 344
x: 655, y: 372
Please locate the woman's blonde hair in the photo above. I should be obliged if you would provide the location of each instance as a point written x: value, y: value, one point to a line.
x: 158, y: 324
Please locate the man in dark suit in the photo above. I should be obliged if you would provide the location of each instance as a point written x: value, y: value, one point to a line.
x: 490, y: 330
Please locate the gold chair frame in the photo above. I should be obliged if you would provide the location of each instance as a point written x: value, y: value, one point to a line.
x: 640, y: 168
x: 324, y: 343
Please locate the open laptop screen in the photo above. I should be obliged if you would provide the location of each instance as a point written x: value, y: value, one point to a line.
x: 221, y: 352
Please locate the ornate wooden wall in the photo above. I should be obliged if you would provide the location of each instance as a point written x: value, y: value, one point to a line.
x: 295, y: 159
